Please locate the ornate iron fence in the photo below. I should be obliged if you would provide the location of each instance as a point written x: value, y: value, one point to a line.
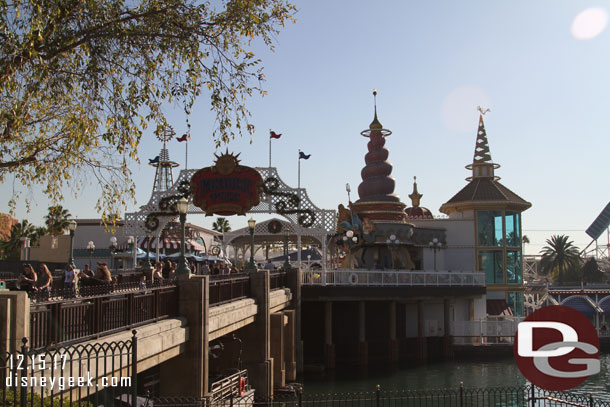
x: 54, y: 323
x: 79, y: 375
x: 228, y: 288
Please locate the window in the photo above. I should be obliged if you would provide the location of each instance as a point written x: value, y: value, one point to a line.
x: 513, y: 233
x: 490, y: 261
x: 489, y: 225
x: 515, y: 302
x: 513, y: 267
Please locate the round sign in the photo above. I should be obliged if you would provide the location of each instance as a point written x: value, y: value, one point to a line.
x: 275, y: 226
x: 556, y: 348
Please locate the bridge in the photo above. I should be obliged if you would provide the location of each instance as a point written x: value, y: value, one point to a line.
x: 180, y: 327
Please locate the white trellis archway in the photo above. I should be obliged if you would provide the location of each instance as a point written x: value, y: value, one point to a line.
x: 305, y: 218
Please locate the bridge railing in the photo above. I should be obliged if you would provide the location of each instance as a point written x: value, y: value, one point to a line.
x: 226, y: 288
x: 55, y: 323
x: 394, y: 278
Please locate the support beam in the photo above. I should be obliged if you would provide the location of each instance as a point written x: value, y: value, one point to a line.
x: 363, y: 346
x: 393, y: 346
x: 329, y: 347
x: 422, y: 348
x: 448, y: 339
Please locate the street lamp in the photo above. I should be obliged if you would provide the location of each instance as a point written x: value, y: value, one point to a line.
x: 112, y: 249
x: 392, y: 243
x: 90, y: 249
x: 148, y: 238
x: 350, y: 240
x: 183, y: 268
x: 251, y: 224
x: 435, y: 245
x: 71, y: 228
x: 286, y: 262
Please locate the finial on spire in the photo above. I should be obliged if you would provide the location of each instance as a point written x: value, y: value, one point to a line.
x: 483, y: 111
x: 415, y: 196
x: 375, y: 125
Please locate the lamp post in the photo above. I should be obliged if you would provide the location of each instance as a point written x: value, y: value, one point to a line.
x: 112, y: 249
x: 251, y: 224
x: 309, y: 261
x: 286, y: 262
x: 435, y: 245
x: 392, y: 243
x: 183, y: 268
x: 349, y: 239
x: 71, y: 228
x: 90, y: 249
x: 148, y: 238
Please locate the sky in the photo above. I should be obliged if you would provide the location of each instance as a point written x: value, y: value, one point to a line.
x: 542, y: 67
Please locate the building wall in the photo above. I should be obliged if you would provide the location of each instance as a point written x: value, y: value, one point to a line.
x: 51, y: 249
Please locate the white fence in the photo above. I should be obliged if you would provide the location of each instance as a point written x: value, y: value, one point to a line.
x: 393, y: 278
x: 484, y: 331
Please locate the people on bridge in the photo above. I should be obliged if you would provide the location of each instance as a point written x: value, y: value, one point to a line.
x: 158, y: 272
x: 205, y: 268
x: 269, y: 265
x: 69, y: 279
x: 27, y: 280
x: 45, y: 281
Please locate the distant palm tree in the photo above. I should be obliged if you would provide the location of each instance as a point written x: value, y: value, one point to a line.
x: 221, y: 225
x: 559, y: 256
x: 525, y: 239
x: 57, y: 220
x: 38, y: 232
x: 11, y: 248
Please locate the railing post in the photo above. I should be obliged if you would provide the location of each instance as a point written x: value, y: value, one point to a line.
x: 378, y: 391
x: 591, y: 400
x: 24, y: 389
x: 134, y: 368
x: 130, y: 308
x: 300, y: 396
x: 461, y: 398
x: 533, y: 397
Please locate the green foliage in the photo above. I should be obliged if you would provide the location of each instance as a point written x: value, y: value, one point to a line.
x: 11, y: 248
x: 57, y: 220
x: 221, y: 225
x: 591, y: 272
x: 560, y: 257
x: 81, y: 79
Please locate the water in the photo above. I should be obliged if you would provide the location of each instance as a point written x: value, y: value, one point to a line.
x: 444, y: 375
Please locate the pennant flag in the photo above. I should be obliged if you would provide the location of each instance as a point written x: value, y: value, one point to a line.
x: 154, y: 160
x: 304, y: 156
x: 184, y: 137
x: 273, y: 134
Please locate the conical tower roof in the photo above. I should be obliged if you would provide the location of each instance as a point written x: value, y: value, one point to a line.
x: 484, y: 189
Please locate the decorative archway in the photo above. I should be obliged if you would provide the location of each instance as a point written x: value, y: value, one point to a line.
x: 277, y: 197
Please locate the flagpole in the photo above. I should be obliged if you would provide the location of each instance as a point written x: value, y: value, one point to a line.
x: 186, y: 155
x: 299, y: 214
x: 269, y: 148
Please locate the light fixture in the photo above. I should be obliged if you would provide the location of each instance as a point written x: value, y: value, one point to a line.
x: 251, y: 223
x: 182, y: 205
x: 72, y: 225
x: 349, y: 233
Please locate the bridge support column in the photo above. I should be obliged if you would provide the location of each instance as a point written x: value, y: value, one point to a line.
x: 193, y: 302
x: 329, y: 347
x: 422, y: 348
x: 289, y: 346
x: 294, y: 278
x: 363, y: 346
x: 448, y: 339
x: 278, y: 321
x: 257, y: 349
x: 393, y: 346
x: 14, y: 319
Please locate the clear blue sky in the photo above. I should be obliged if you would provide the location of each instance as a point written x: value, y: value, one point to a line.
x: 432, y: 63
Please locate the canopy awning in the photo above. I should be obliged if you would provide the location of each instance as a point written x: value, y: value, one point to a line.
x: 169, y: 243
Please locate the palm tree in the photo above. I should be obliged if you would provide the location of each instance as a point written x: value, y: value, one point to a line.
x: 221, y: 225
x: 559, y: 256
x: 38, y: 232
x: 11, y: 248
x: 57, y: 220
x: 525, y: 239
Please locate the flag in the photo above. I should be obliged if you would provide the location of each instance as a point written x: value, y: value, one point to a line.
x: 154, y: 160
x: 273, y: 134
x: 184, y: 137
x: 304, y: 156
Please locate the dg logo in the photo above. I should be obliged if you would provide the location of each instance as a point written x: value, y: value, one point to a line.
x: 557, y: 348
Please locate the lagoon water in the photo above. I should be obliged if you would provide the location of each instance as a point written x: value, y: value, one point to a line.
x: 443, y: 375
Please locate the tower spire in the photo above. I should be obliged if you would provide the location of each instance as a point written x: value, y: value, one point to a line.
x: 415, y: 196
x: 482, y: 165
x: 164, y: 177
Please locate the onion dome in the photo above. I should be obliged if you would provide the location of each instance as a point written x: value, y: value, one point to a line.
x: 376, y: 191
x: 416, y: 211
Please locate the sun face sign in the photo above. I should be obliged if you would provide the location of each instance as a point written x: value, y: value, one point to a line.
x: 227, y: 188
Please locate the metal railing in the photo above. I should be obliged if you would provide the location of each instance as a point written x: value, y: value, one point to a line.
x: 520, y: 396
x: 233, y: 386
x: 277, y: 279
x: 485, y: 331
x: 394, y: 278
x: 55, y: 323
x: 83, y: 375
x: 226, y: 288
